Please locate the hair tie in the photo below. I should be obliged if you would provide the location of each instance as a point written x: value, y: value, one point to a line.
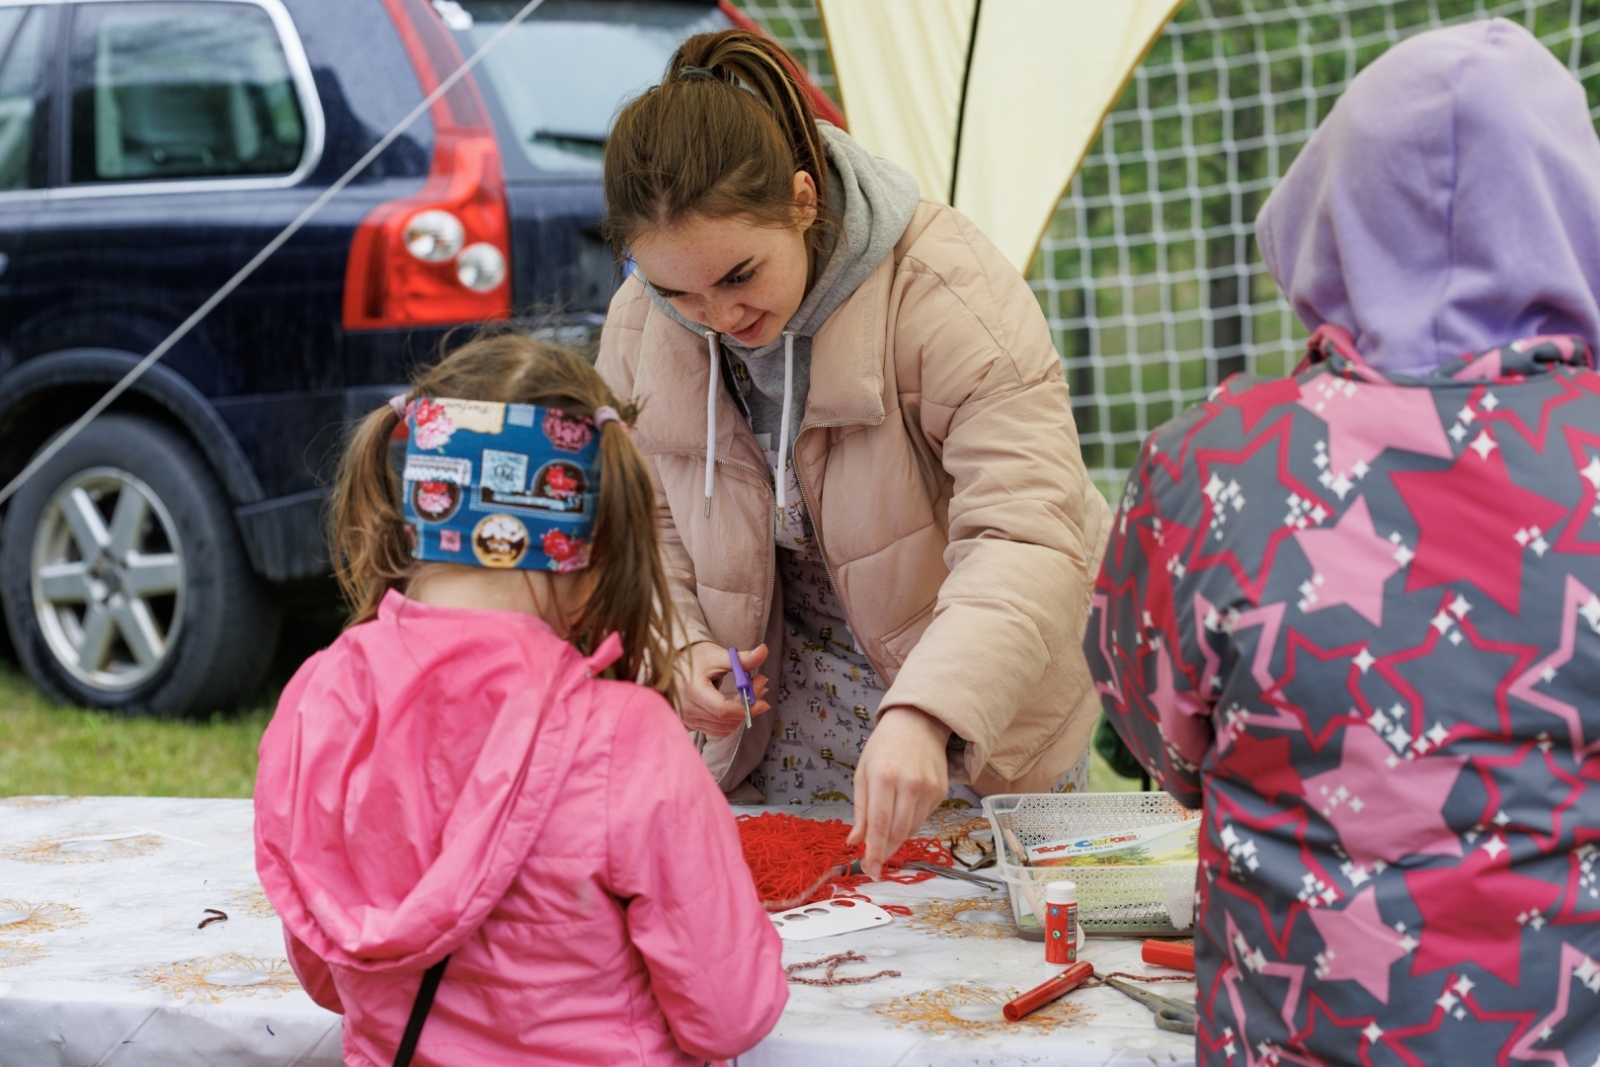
x: 697, y: 74
x: 398, y: 402
x: 605, y: 414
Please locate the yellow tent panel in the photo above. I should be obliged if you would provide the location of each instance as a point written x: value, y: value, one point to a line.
x: 1043, y: 74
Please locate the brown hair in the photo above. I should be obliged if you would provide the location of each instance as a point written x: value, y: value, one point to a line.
x: 723, y: 135
x: 372, y: 553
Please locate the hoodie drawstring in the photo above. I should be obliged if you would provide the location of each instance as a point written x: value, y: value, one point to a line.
x: 711, y: 417
x: 781, y: 474
x: 783, y: 427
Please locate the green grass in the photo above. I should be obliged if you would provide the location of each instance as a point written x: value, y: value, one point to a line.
x: 1102, y: 779
x: 49, y: 749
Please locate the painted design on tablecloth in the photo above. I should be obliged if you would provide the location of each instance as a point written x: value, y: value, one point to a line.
x: 945, y: 822
x: 983, y: 917
x: 84, y: 848
x: 253, y: 902
x: 216, y: 978
x: 1384, y: 696
x: 37, y: 802
x: 976, y: 1011
x: 20, y: 953
x: 19, y: 918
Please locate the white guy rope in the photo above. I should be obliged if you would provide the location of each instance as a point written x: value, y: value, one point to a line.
x: 261, y: 257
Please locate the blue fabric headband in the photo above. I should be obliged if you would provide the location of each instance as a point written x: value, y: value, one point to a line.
x: 500, y: 485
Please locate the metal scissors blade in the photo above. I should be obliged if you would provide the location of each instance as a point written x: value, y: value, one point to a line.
x: 951, y: 872
x: 1176, y: 1016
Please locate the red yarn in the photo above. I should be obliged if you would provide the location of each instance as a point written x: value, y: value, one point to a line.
x: 798, y: 861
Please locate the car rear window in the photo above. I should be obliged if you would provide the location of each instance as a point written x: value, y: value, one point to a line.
x: 180, y: 90
x: 21, y: 47
x: 562, y: 74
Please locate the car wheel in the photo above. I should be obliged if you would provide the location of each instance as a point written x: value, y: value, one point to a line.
x: 125, y: 582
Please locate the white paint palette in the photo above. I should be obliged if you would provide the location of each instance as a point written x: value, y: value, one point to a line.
x: 811, y: 921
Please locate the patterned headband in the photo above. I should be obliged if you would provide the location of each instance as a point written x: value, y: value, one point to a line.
x: 500, y: 485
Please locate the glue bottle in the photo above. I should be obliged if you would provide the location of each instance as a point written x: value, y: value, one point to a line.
x: 1061, y: 922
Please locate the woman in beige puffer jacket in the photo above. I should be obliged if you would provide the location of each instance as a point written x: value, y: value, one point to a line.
x: 937, y: 504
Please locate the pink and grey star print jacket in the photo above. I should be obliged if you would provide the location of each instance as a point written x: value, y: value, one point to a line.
x: 1357, y: 618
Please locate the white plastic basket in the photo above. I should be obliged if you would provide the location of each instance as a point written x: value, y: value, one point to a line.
x: 1113, y: 900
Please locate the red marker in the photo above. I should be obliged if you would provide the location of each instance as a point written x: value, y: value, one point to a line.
x: 1057, y: 987
x: 1166, y: 954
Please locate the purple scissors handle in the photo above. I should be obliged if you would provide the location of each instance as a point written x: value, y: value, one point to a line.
x: 741, y: 682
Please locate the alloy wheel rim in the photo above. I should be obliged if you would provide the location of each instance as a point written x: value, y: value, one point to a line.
x: 108, y: 579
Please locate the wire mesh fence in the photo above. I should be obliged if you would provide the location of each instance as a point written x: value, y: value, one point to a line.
x: 1149, y: 272
x: 797, y: 24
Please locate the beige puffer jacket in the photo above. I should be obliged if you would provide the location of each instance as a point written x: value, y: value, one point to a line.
x: 939, y: 460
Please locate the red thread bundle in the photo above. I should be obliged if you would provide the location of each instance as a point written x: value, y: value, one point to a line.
x: 798, y: 861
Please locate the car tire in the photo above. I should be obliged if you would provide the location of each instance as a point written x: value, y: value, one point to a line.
x: 125, y: 583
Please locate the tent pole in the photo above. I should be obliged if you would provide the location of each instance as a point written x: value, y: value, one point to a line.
x: 961, y: 108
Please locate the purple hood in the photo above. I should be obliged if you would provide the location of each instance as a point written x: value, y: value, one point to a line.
x: 1450, y: 203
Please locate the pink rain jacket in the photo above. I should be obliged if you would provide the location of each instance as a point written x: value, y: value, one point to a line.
x: 455, y: 781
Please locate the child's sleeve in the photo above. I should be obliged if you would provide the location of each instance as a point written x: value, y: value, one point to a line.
x: 316, y: 977
x: 715, y: 961
x: 1139, y: 642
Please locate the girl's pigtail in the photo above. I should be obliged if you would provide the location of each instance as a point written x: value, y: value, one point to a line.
x: 371, y: 552
x: 631, y: 596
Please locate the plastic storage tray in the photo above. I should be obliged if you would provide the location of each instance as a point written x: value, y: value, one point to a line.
x: 1113, y: 900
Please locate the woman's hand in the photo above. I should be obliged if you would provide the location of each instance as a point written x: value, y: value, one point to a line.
x: 901, y: 778
x: 701, y: 704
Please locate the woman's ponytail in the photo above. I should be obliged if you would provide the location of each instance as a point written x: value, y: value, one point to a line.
x: 762, y: 65
x: 371, y: 553
x: 723, y: 135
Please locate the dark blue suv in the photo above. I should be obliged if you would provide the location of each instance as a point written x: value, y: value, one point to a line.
x: 148, y: 148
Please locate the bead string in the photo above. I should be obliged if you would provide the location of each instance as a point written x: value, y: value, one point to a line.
x: 1100, y: 979
x: 830, y: 976
x: 797, y: 861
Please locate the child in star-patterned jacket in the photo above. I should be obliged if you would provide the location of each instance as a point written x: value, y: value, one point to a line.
x: 1355, y: 613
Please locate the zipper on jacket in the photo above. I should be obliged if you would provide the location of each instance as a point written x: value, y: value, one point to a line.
x: 766, y: 617
x: 772, y: 588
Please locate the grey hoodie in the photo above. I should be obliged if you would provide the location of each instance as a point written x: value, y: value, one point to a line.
x: 873, y: 200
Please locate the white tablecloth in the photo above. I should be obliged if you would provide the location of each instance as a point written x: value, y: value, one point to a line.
x: 102, y: 961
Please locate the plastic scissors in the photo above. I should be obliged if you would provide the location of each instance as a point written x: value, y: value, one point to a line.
x: 741, y: 682
x: 1176, y: 1016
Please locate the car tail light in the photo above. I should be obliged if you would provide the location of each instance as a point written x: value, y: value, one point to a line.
x: 434, y: 236
x: 440, y: 257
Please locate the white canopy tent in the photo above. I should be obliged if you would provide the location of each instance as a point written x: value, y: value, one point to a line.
x: 991, y: 104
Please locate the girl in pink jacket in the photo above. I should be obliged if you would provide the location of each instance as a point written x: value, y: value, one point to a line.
x: 454, y: 784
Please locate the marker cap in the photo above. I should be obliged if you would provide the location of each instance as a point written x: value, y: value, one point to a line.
x: 1061, y: 893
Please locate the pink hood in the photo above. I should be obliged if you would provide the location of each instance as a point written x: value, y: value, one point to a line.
x: 445, y: 781
x: 380, y: 879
